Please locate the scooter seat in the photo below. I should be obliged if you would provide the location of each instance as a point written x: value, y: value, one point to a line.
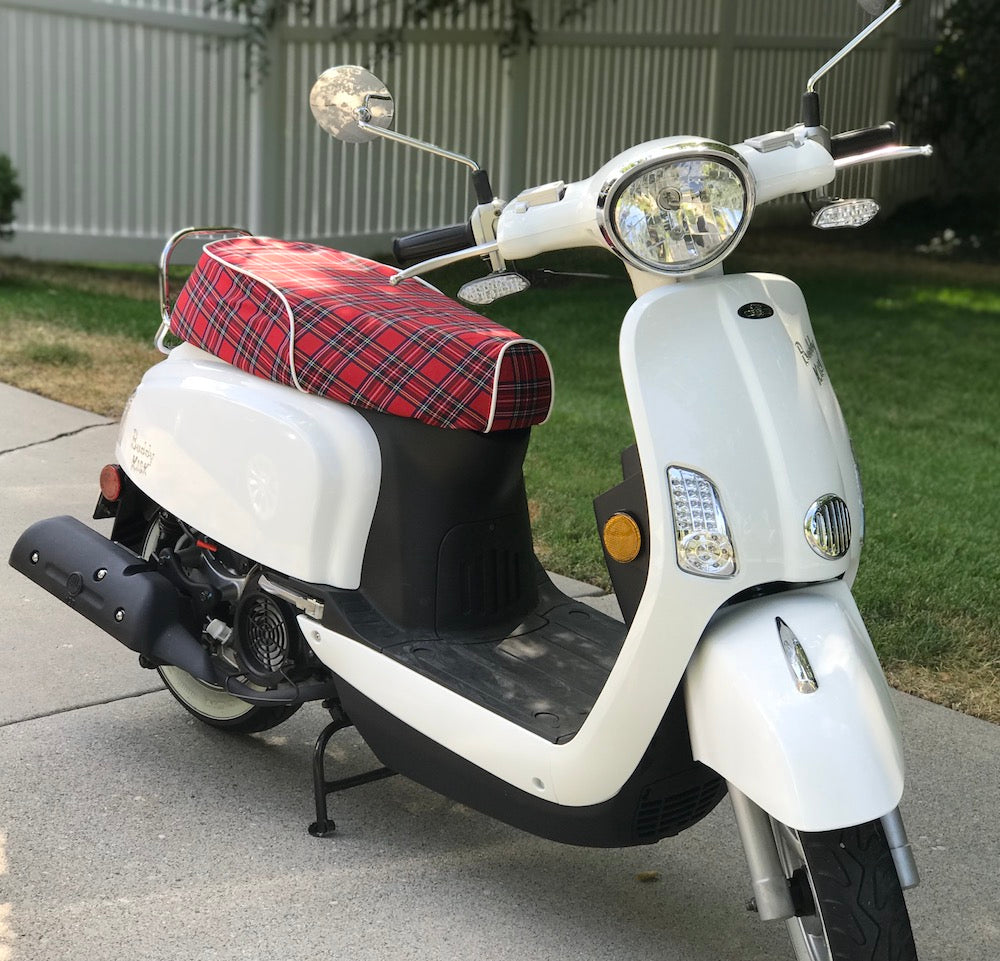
x: 330, y: 323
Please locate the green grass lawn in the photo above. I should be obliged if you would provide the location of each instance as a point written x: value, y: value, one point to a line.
x: 912, y: 348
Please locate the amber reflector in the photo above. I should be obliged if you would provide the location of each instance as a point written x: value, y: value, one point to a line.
x: 622, y: 539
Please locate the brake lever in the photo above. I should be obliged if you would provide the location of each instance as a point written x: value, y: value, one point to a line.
x: 883, y: 154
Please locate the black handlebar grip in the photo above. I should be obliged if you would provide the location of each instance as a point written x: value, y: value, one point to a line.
x: 425, y: 244
x: 861, y: 141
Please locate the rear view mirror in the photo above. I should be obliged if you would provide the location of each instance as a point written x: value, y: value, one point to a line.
x: 343, y: 96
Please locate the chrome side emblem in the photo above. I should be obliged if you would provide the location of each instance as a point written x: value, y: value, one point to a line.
x: 795, y: 656
x: 828, y: 527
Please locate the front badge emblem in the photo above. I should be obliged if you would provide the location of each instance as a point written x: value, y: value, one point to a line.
x: 756, y: 311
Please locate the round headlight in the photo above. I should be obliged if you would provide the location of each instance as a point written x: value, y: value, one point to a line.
x: 679, y: 212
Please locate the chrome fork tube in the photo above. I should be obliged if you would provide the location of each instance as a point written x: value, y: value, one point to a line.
x: 902, y: 853
x: 770, y: 886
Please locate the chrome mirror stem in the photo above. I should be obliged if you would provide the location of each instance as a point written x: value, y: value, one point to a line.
x: 363, y: 115
x: 852, y: 45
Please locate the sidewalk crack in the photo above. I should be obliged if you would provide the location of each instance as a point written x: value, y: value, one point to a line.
x: 80, y: 707
x: 49, y: 440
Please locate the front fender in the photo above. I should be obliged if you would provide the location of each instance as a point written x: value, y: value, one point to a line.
x: 815, y: 761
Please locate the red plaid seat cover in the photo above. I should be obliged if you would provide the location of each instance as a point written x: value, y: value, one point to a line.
x: 330, y: 323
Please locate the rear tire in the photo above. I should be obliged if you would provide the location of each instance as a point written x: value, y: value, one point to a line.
x: 218, y: 708
x: 209, y: 703
x: 847, y: 894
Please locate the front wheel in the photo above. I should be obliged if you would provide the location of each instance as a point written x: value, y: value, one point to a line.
x: 847, y: 895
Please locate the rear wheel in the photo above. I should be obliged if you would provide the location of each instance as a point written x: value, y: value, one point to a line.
x: 211, y: 704
x: 847, y: 895
x: 218, y: 708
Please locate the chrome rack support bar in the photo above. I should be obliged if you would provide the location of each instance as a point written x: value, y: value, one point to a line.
x: 166, y: 304
x: 770, y: 886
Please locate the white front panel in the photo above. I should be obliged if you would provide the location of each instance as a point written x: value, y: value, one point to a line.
x: 748, y: 403
x: 287, y: 479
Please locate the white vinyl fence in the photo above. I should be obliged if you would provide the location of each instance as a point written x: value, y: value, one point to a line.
x: 127, y: 119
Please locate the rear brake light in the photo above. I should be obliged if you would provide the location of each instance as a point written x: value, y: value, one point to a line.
x: 111, y: 482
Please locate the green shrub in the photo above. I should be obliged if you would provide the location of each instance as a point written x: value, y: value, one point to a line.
x: 10, y: 194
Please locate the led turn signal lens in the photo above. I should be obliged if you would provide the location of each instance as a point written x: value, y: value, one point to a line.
x: 622, y: 539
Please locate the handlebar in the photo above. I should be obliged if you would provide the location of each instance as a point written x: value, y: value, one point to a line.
x: 861, y: 141
x: 426, y: 244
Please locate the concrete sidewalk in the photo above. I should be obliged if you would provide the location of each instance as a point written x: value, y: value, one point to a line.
x: 129, y: 831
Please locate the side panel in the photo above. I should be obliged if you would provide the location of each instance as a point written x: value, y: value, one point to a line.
x: 288, y: 479
x: 815, y: 761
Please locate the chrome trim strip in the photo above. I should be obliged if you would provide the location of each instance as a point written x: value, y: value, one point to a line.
x: 795, y: 656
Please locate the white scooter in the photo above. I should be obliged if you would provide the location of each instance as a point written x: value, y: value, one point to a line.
x: 319, y: 495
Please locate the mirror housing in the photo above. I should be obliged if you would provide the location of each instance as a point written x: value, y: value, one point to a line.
x: 345, y: 98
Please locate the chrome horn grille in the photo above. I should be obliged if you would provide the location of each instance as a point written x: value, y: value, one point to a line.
x: 828, y: 527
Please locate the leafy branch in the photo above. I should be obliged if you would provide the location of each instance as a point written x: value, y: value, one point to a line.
x: 261, y: 17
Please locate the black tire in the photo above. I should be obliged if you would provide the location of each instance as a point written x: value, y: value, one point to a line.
x: 847, y: 895
x: 217, y: 708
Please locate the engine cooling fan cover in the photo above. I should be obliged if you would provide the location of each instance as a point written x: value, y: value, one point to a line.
x: 267, y: 640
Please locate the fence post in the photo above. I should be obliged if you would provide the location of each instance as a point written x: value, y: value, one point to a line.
x: 268, y: 142
x: 514, y: 124
x: 722, y: 78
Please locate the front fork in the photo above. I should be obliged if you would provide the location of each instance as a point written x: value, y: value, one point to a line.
x: 771, y: 892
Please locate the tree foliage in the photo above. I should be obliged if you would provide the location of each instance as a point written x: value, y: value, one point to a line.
x: 10, y: 193
x: 518, y: 30
x: 954, y: 100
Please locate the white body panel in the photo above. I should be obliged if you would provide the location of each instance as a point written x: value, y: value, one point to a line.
x: 285, y: 478
x: 816, y: 761
x: 772, y: 439
x: 749, y: 404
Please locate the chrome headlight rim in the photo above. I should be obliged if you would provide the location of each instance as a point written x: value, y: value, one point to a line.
x: 613, y: 187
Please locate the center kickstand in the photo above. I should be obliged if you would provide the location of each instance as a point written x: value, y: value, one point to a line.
x: 323, y: 826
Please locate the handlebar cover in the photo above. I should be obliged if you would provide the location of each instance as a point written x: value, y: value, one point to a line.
x: 861, y: 141
x: 425, y: 244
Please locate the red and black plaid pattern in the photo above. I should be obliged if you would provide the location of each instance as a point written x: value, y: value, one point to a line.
x: 407, y: 350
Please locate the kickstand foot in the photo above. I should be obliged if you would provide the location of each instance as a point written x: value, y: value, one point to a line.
x: 324, y: 826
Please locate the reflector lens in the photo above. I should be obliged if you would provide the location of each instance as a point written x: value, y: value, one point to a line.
x: 111, y: 482
x: 622, y: 539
